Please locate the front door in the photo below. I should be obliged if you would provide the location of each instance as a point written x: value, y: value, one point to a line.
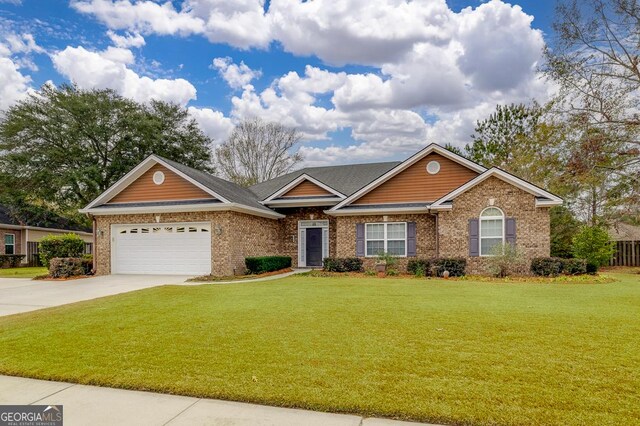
x: 314, y: 246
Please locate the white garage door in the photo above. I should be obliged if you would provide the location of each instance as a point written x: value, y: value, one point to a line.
x: 177, y: 248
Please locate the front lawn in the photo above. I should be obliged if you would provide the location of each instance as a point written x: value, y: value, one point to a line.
x: 28, y: 272
x: 460, y: 352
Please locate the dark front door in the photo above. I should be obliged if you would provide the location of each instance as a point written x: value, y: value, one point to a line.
x: 314, y: 246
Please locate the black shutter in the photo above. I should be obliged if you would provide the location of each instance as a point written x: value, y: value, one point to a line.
x: 510, y: 231
x: 474, y: 238
x: 411, y: 239
x: 360, y: 239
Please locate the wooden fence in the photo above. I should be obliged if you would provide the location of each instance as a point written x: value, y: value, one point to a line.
x: 627, y: 254
x: 33, y: 255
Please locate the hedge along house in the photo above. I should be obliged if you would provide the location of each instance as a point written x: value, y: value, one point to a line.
x: 163, y: 217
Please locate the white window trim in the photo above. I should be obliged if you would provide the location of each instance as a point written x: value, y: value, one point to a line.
x: 12, y: 245
x: 484, y: 218
x: 385, y: 239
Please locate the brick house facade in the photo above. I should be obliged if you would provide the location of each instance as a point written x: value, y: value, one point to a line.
x: 432, y: 204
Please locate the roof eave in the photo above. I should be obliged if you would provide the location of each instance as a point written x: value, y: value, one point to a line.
x: 241, y: 208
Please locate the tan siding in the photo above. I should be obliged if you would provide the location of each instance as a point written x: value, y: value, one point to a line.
x: 174, y: 187
x: 414, y: 184
x: 305, y: 189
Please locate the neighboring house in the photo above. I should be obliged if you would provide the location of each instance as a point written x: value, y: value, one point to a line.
x: 163, y: 217
x: 627, y: 241
x: 17, y: 237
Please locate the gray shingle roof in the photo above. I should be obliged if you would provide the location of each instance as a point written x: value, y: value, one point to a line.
x: 346, y: 179
x: 229, y: 190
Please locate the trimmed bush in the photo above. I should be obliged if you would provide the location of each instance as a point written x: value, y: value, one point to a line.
x: 574, y: 266
x: 11, y: 260
x: 261, y: 264
x: 419, y: 267
x: 455, y: 265
x: 342, y: 264
x: 65, y: 267
x: 547, y: 266
x: 67, y: 245
x: 592, y: 267
x: 87, y: 263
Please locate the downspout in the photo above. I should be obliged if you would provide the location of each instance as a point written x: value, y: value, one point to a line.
x: 437, y: 234
x: 95, y: 243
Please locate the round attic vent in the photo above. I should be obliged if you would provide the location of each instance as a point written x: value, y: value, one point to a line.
x: 158, y: 178
x: 433, y: 167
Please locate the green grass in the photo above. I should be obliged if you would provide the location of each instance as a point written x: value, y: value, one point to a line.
x: 28, y: 272
x: 459, y: 352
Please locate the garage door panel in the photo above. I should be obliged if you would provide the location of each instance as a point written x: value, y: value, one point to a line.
x: 183, y: 248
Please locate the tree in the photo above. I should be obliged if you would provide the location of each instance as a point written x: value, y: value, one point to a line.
x: 497, y: 139
x: 63, y: 146
x: 520, y: 139
x: 257, y: 151
x: 564, y: 226
x: 595, y: 62
x: 593, y: 244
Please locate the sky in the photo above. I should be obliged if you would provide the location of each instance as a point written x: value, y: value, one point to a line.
x: 362, y: 80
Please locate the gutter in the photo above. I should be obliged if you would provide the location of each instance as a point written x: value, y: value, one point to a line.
x: 39, y: 228
x: 241, y: 208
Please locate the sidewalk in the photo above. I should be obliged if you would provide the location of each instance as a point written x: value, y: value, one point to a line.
x: 92, y: 405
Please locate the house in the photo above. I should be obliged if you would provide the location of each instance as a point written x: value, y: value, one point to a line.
x: 17, y: 237
x: 163, y: 217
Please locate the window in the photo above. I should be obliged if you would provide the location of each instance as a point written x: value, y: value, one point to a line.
x: 386, y: 237
x: 433, y: 167
x: 491, y: 229
x: 158, y: 178
x: 9, y: 244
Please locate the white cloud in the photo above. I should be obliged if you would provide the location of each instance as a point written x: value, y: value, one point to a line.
x: 358, y: 31
x: 213, y: 123
x: 15, y: 51
x: 240, y: 23
x: 127, y: 40
x: 108, y: 69
x: 422, y: 58
x: 13, y: 85
x: 236, y: 76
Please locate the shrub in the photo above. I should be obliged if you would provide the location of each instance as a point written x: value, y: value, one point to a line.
x: 455, y: 265
x: 419, y: 267
x: 593, y: 244
x: 67, y: 245
x: 389, y: 260
x: 342, y: 264
x: 506, y: 260
x: 10, y: 260
x: 65, y: 267
x: 261, y: 264
x: 591, y: 268
x: 547, y: 266
x: 87, y: 263
x: 574, y: 266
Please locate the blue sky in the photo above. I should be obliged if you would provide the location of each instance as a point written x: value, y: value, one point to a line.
x: 369, y: 80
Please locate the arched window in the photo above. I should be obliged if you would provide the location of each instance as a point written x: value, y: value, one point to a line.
x: 491, y: 230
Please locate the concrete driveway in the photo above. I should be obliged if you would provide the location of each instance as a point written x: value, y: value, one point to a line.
x: 23, y: 295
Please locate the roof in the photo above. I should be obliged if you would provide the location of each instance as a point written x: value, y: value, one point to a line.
x: 624, y: 232
x: 542, y: 197
x: 47, y: 220
x: 346, y: 179
x: 229, y: 190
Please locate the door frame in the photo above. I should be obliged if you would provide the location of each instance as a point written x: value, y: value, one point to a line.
x: 302, y: 239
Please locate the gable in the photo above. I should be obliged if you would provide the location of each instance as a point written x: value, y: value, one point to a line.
x: 307, y: 188
x: 415, y: 184
x: 174, y: 188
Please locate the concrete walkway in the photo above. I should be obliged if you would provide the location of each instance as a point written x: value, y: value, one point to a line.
x: 92, y: 405
x: 24, y: 295
x: 252, y: 280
